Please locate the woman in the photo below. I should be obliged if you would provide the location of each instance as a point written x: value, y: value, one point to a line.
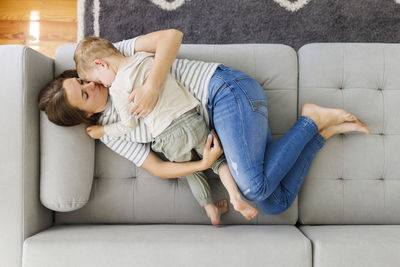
x: 270, y: 173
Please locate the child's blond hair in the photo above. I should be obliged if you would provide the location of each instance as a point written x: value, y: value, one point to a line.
x: 89, y: 49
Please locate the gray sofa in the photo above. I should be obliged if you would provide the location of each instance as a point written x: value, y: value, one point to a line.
x: 110, y: 213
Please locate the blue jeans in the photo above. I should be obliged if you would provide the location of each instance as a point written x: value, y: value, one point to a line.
x: 267, y: 172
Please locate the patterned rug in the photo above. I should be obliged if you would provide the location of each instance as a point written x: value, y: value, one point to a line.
x: 291, y: 22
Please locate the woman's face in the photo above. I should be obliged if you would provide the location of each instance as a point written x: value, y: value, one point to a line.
x: 86, y: 96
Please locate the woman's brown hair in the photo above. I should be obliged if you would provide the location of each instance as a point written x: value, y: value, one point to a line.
x: 53, y: 101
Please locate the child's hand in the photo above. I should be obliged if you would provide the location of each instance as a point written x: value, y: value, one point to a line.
x: 144, y: 99
x: 95, y: 131
x: 212, y: 150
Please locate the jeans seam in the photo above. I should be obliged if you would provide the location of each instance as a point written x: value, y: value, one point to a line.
x: 212, y: 105
x: 241, y: 123
x: 321, y: 140
x: 245, y: 92
x: 253, y: 103
x: 223, y: 75
x: 255, y: 109
x: 309, y: 121
x: 319, y: 145
x: 277, y: 200
x: 302, y: 173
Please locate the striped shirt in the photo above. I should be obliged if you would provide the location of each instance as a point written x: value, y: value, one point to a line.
x: 124, y: 146
x: 194, y: 75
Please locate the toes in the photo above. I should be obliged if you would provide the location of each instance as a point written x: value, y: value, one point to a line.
x: 254, y: 214
x: 251, y: 216
x: 222, y: 206
x: 349, y: 117
x: 222, y: 203
x: 215, y: 222
x: 365, y: 129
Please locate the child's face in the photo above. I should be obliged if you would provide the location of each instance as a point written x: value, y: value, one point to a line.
x: 101, y: 75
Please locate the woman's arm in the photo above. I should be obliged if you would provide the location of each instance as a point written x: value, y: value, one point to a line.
x: 165, y: 169
x: 165, y: 45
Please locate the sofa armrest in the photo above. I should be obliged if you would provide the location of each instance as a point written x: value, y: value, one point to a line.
x: 23, y: 72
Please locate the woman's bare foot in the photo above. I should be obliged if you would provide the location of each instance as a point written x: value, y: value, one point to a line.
x: 214, y: 212
x: 325, y: 117
x: 244, y: 208
x: 343, y: 128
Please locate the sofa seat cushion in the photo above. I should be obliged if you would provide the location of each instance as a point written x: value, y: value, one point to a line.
x: 167, y: 245
x: 354, y: 245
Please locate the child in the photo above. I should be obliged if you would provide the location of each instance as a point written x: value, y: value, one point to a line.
x: 173, y: 127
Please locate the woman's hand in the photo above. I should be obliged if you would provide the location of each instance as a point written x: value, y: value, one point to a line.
x: 95, y: 131
x: 144, y: 99
x: 212, y: 150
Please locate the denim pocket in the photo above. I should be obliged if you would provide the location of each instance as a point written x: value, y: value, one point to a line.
x: 260, y: 107
x: 254, y: 93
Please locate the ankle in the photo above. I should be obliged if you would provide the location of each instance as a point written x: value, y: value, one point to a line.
x: 210, y: 209
x: 236, y: 198
x: 325, y: 133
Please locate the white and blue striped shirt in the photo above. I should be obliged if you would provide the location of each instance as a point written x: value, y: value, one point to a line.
x: 194, y: 75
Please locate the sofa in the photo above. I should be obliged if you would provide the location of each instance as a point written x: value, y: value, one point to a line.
x: 67, y: 200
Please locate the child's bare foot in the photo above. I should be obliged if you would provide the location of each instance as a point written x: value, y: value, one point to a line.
x: 325, y: 117
x: 244, y: 208
x: 214, y: 212
x: 343, y: 128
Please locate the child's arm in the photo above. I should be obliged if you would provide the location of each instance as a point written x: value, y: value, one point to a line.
x: 120, y: 128
x: 165, y: 45
x: 127, y: 123
x: 113, y: 130
x: 165, y: 169
x: 95, y: 131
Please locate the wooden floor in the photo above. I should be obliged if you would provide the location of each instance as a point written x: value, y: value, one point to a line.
x: 43, y: 25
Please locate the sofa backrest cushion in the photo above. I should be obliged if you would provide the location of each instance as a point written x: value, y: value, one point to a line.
x: 355, y: 178
x: 123, y: 193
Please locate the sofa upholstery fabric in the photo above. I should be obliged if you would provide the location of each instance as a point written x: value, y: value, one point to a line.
x: 354, y: 245
x: 168, y: 245
x: 121, y: 191
x: 23, y: 73
x: 355, y: 178
x: 69, y: 172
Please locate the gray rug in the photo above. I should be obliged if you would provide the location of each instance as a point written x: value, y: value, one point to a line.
x: 291, y: 22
